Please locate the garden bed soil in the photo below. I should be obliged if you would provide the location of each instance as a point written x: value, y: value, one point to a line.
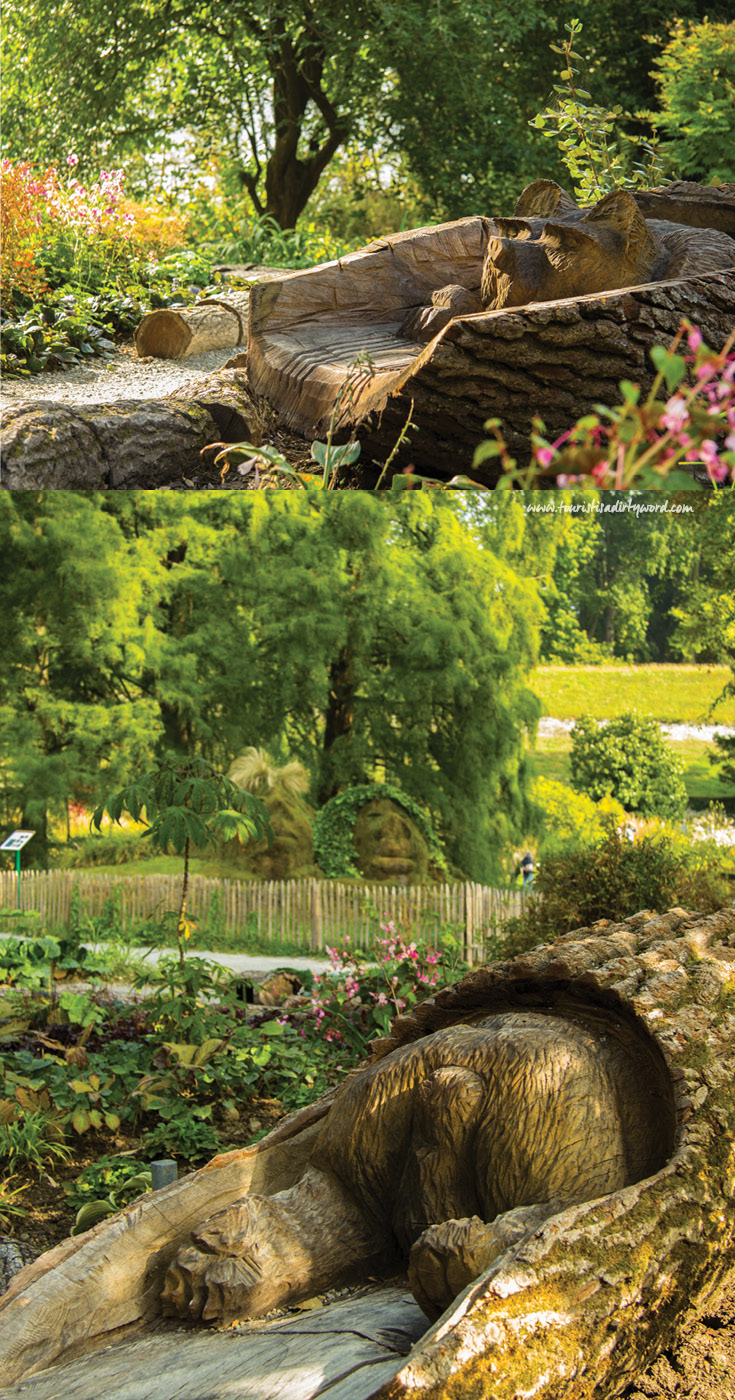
x: 50, y: 1216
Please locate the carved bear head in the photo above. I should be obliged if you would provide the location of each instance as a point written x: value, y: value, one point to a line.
x: 535, y: 258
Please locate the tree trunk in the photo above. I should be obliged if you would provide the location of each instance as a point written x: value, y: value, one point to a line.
x: 339, y: 720
x: 290, y: 179
x: 177, y: 331
x: 125, y: 444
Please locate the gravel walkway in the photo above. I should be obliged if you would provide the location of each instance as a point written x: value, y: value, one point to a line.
x: 119, y: 376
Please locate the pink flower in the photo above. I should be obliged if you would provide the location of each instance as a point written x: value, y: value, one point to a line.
x: 730, y: 442
x: 599, y: 472
x: 73, y: 160
x: 676, y: 414
x: 694, y: 338
x: 544, y: 456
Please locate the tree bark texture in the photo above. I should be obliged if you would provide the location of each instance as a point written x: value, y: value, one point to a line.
x: 125, y: 444
x: 575, y: 1298
x: 557, y: 360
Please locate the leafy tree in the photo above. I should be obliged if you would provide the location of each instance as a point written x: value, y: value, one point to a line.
x: 185, y: 804
x: 628, y: 759
x: 695, y: 76
x: 364, y: 637
x: 271, y: 91
x: 72, y: 635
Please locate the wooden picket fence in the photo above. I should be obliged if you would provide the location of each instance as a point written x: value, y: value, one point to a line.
x: 310, y: 914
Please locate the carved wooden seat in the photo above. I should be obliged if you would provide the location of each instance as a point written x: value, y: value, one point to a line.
x: 558, y: 358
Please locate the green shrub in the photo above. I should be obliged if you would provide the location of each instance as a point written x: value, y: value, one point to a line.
x: 628, y: 759
x: 615, y: 878
x: 572, y: 818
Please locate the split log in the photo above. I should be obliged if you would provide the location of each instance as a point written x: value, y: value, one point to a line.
x: 588, y: 1294
x: 128, y: 443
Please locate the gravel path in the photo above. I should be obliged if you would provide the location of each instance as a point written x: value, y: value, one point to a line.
x: 119, y: 376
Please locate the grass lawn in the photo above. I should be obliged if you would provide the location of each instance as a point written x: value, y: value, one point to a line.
x: 550, y: 759
x: 669, y: 694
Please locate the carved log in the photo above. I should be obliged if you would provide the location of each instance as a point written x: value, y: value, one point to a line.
x: 111, y: 1277
x: 579, y: 1298
x: 141, y: 443
x: 558, y: 360
x: 305, y: 334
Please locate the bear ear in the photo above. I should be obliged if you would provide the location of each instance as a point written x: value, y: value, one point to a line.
x: 546, y: 199
x: 620, y: 212
x: 514, y: 228
x: 560, y: 240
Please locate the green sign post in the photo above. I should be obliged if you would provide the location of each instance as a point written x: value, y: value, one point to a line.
x: 15, y: 842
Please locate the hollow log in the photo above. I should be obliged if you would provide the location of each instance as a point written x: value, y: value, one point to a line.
x: 578, y: 1296
x: 128, y: 443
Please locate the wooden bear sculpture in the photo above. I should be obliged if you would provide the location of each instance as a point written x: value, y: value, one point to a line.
x: 444, y: 1153
x: 552, y: 249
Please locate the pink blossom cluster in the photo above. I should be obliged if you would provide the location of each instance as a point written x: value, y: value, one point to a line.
x: 696, y: 424
x: 399, y: 975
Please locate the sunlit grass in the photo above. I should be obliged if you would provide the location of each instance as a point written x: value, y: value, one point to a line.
x: 670, y: 694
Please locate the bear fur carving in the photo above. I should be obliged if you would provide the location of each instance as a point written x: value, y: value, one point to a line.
x: 552, y: 249
x: 442, y: 1154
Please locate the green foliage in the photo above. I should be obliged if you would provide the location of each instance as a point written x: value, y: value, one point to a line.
x: 243, y: 238
x: 104, y: 1188
x: 695, y: 77
x: 615, y: 878
x: 585, y: 132
x: 335, y: 824
x: 628, y: 759
x: 572, y: 818
x: 31, y: 1140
